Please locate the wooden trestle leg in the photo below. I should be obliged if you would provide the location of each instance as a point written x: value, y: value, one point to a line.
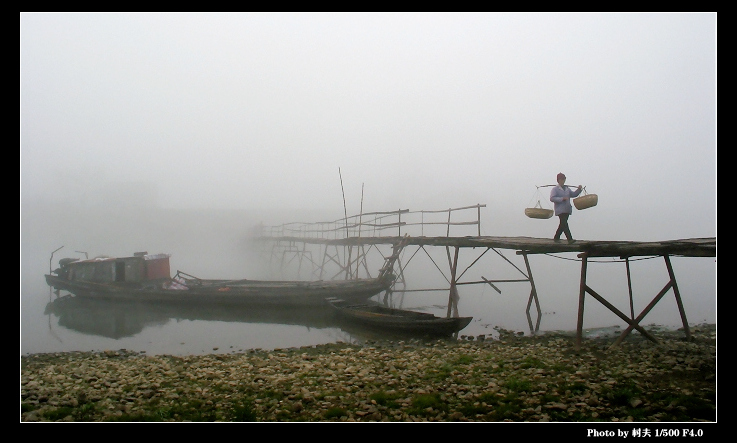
x: 533, y: 296
x: 581, y: 294
x: 633, y: 323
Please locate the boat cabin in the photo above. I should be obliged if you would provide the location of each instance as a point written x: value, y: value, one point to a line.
x: 141, y: 267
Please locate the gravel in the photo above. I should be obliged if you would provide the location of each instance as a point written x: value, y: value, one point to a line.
x: 510, y: 378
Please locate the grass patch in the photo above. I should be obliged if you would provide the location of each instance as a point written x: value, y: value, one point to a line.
x: 507, y: 408
x: 383, y: 399
x: 324, y: 395
x: 85, y: 412
x: 697, y: 407
x: 472, y: 410
x: 138, y: 418
x: 335, y: 413
x: 182, y: 413
x: 464, y: 360
x: 518, y: 385
x: 532, y: 362
x: 243, y: 413
x: 575, y: 388
x: 439, y: 374
x: 269, y: 393
x: 549, y: 398
x: 427, y: 405
x: 562, y: 368
x: 622, y: 395
x: 488, y: 398
x: 82, y: 413
x: 682, y: 407
x: 58, y: 413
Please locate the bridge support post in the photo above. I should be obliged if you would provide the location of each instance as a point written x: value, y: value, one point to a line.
x: 670, y: 285
x: 632, y: 322
x: 533, y: 297
x: 581, y: 293
x: 453, y: 296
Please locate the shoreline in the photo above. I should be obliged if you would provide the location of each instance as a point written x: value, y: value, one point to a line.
x: 513, y: 378
x: 368, y: 336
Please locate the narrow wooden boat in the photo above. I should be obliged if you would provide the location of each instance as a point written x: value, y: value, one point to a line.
x: 397, y: 320
x: 146, y: 277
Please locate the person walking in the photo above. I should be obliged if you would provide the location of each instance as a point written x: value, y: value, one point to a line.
x: 561, y: 196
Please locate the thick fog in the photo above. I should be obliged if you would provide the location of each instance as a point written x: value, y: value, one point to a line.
x: 425, y: 111
x: 178, y: 133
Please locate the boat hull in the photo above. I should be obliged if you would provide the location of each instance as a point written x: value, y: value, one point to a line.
x: 260, y: 293
x: 398, y: 320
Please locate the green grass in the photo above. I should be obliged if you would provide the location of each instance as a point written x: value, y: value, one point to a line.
x: 174, y: 413
x: 383, y: 399
x: 518, y: 385
x: 335, y: 413
x: 532, y: 362
x: 425, y: 405
x: 682, y: 407
x: 243, y: 413
x: 622, y: 395
x: 575, y: 388
x: 464, y: 360
x: 59, y: 413
x: 505, y: 408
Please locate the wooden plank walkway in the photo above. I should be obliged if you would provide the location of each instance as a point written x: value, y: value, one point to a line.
x: 689, y: 247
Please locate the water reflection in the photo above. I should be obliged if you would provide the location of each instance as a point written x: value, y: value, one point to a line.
x: 120, y: 319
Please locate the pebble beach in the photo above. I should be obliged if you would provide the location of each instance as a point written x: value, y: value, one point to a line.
x: 515, y: 378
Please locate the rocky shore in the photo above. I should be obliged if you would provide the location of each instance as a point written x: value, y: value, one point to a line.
x: 513, y: 378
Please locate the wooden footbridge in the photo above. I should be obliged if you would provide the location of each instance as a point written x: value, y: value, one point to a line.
x: 345, y: 246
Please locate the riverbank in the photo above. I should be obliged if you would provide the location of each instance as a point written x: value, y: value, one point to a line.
x: 513, y: 378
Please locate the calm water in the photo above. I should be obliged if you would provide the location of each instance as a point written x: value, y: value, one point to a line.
x: 100, y: 326
x: 79, y: 326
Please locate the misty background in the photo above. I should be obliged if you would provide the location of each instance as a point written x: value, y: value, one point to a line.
x: 179, y: 132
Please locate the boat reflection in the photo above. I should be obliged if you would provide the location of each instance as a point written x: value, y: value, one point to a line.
x: 119, y: 319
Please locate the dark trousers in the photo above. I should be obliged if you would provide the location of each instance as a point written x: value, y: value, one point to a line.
x: 563, y: 227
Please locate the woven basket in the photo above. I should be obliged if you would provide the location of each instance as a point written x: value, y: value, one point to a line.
x: 538, y: 212
x: 586, y: 201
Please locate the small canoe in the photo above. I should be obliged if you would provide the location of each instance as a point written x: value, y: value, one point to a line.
x: 378, y: 316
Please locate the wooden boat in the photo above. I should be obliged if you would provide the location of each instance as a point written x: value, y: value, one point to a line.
x: 146, y: 277
x: 397, y: 320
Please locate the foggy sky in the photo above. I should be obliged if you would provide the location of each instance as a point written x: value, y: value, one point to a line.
x: 254, y: 111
